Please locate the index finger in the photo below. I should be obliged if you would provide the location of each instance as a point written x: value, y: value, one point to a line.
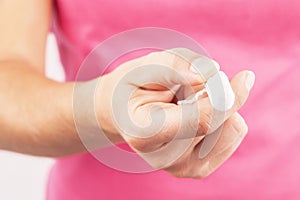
x: 177, y: 66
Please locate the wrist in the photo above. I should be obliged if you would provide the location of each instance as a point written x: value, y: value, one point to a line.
x: 103, y: 106
x: 92, y: 113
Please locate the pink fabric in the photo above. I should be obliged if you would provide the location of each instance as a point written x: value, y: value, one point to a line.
x: 262, y: 36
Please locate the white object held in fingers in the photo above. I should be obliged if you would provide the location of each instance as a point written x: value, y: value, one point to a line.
x: 219, y: 92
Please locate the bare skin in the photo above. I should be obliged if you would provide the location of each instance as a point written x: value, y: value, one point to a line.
x: 37, y: 115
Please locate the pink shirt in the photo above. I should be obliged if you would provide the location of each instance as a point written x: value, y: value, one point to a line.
x: 263, y: 36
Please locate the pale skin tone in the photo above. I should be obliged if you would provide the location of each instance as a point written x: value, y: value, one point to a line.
x: 37, y: 118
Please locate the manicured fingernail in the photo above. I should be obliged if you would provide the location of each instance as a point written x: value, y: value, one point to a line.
x: 250, y: 79
x: 205, y: 67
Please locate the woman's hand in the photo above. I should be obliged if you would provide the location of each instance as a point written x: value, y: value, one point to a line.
x: 138, y: 101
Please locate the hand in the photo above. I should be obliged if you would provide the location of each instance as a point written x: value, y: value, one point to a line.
x: 138, y: 101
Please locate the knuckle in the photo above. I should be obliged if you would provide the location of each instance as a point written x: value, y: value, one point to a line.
x: 205, y: 123
x: 203, y: 171
x: 180, y: 50
x: 153, y: 58
x: 192, y: 124
x: 239, y: 125
x: 140, y: 145
x: 191, y: 169
x: 158, y: 54
x: 160, y: 58
x: 180, y: 62
x: 239, y: 100
x: 202, y: 175
x: 179, y: 57
x: 153, y: 54
x: 193, y: 173
x: 145, y: 145
x: 183, y: 173
x: 182, y: 58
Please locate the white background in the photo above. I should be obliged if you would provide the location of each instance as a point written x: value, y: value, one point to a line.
x: 25, y: 177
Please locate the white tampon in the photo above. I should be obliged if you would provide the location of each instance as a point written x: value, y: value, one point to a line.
x: 222, y: 98
x: 219, y: 92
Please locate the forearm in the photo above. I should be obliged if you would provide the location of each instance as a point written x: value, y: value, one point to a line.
x: 37, y: 114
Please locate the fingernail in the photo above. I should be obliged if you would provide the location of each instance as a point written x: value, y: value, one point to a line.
x: 205, y: 67
x: 250, y: 80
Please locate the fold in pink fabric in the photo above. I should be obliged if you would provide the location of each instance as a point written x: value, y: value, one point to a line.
x: 262, y: 36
